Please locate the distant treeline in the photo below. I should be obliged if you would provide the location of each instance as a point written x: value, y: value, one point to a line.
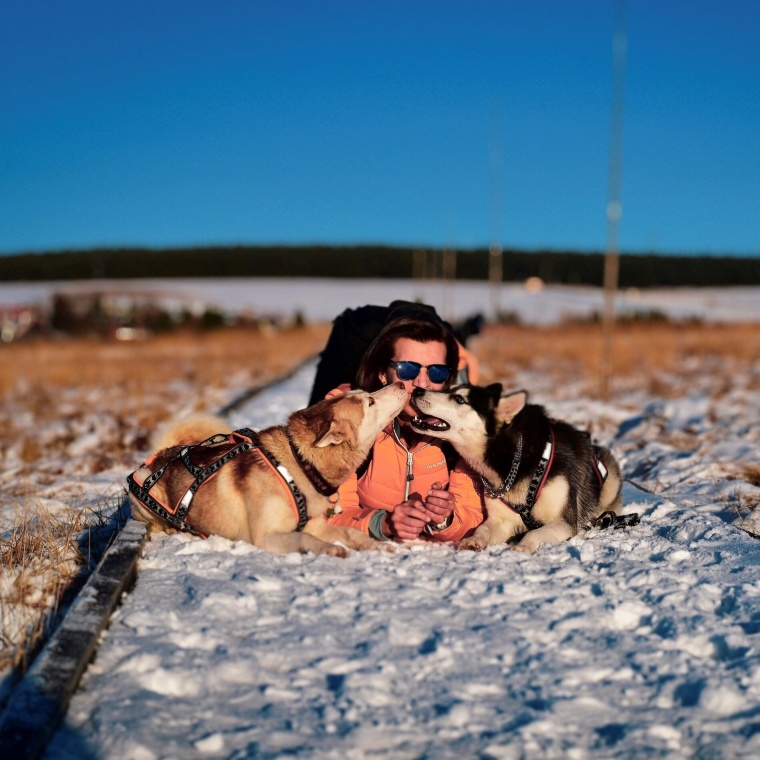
x: 560, y: 267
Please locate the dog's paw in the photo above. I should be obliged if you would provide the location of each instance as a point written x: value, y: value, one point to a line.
x: 471, y: 545
x: 333, y: 550
x: 524, y: 548
x: 361, y: 542
x: 368, y: 545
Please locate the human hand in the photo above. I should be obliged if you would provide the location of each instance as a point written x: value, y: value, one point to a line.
x: 439, y: 504
x: 407, y: 520
x: 342, y: 389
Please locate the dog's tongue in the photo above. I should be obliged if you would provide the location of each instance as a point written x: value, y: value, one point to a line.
x: 430, y: 423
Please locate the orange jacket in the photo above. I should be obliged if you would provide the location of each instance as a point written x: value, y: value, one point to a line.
x: 381, y: 486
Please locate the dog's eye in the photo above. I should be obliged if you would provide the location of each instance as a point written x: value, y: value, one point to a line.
x: 371, y: 401
x: 459, y: 399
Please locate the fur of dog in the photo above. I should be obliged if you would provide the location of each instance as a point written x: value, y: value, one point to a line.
x: 245, y: 500
x: 484, y: 425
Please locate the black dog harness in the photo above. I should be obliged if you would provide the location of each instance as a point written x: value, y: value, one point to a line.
x: 237, y: 442
x: 537, y: 481
x: 536, y: 486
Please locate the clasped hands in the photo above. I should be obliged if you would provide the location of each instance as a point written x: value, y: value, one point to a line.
x: 409, y: 518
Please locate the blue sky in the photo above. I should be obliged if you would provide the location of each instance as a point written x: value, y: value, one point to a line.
x: 187, y: 122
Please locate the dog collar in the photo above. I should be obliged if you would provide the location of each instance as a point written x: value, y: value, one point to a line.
x: 497, y: 493
x: 313, y: 475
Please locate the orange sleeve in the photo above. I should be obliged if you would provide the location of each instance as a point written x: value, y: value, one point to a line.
x: 468, y: 512
x: 351, y: 514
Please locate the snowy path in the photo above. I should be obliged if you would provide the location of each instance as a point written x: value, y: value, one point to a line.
x: 633, y: 643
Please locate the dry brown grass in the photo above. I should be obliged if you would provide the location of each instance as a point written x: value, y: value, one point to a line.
x: 39, y: 557
x: 659, y: 357
x: 43, y: 558
x: 752, y: 474
x: 136, y: 370
x: 136, y: 382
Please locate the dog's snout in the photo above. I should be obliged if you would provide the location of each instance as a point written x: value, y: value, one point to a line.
x: 418, y: 392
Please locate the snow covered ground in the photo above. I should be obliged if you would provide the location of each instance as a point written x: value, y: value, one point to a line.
x: 643, y: 642
x: 321, y: 300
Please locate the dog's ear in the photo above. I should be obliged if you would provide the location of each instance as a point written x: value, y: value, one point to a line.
x: 494, y: 390
x: 511, y: 405
x: 332, y: 434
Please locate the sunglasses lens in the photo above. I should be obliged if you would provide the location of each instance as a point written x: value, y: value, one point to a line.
x: 407, y: 370
x: 438, y: 373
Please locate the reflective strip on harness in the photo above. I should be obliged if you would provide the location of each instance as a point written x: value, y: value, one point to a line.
x: 536, y: 486
x: 244, y: 440
x: 186, y: 499
x: 601, y: 470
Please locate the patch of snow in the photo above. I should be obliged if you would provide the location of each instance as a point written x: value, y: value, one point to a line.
x: 316, y: 298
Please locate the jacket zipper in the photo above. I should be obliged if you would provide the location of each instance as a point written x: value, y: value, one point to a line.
x: 409, y: 458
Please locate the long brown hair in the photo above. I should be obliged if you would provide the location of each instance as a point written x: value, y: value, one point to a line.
x: 380, y: 352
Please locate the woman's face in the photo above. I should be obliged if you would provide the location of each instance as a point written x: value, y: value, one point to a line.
x: 425, y: 354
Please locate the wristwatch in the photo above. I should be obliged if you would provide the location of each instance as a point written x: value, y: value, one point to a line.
x: 431, y: 529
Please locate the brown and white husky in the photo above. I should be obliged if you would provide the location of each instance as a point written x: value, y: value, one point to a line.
x: 270, y: 488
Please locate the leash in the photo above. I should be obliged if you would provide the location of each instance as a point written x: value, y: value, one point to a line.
x: 610, y: 519
x: 244, y: 439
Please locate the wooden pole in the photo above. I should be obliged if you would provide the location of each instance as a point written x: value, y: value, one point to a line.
x: 614, y: 204
x: 449, y: 275
x: 419, y: 273
x: 495, y: 276
x: 495, y: 252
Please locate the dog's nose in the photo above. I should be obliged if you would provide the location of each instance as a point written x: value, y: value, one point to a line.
x: 418, y: 392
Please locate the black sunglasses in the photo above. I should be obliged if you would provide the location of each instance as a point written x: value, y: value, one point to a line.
x: 437, y: 373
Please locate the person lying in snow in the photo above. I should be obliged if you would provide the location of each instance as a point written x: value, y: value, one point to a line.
x: 411, y: 486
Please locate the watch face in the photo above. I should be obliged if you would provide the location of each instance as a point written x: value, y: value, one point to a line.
x: 441, y: 526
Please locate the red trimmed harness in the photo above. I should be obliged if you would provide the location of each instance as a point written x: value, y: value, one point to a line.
x: 236, y: 443
x: 539, y: 480
x: 536, y: 486
x: 599, y: 468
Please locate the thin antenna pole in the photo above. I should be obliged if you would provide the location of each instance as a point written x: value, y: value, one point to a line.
x: 449, y: 275
x: 419, y: 272
x: 495, y: 252
x: 614, y: 204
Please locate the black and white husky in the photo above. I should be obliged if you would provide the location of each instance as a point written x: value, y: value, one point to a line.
x: 541, y: 478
